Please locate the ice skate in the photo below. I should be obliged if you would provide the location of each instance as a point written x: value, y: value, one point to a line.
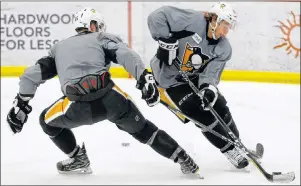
x: 235, y: 157
x: 188, y: 166
x: 79, y: 163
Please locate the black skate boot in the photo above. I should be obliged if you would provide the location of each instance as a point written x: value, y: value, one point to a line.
x: 79, y: 163
x: 236, y: 158
x: 188, y: 166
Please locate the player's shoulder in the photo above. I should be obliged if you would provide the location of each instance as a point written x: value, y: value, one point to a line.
x: 178, y: 9
x: 105, y: 36
x: 198, y: 22
x: 201, y: 20
x: 84, y: 37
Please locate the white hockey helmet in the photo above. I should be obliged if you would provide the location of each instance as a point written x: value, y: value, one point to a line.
x: 83, y: 18
x: 225, y: 12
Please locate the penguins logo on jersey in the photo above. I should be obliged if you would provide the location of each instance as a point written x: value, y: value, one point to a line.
x: 193, y: 58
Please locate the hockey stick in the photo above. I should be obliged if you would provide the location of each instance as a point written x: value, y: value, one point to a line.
x: 259, y: 148
x: 275, y: 176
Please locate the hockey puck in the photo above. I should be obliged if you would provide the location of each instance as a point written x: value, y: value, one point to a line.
x: 276, y: 173
x: 125, y: 144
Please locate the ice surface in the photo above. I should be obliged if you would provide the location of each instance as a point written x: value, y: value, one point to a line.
x: 265, y: 113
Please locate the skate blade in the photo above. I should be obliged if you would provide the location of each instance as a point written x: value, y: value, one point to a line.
x: 85, y: 170
x: 196, y: 175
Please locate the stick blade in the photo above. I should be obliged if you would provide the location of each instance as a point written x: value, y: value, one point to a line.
x: 259, y: 150
x: 283, y: 178
x: 258, y: 153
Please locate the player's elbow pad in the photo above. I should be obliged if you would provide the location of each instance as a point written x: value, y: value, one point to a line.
x: 48, y: 67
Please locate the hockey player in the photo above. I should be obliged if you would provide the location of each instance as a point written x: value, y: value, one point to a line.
x: 81, y: 63
x: 198, y: 40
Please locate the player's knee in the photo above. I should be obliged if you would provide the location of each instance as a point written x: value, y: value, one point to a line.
x: 233, y: 126
x: 147, y: 133
x: 221, y: 102
x: 49, y: 130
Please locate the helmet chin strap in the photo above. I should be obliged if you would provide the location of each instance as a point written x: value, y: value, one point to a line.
x: 102, y: 28
x: 213, y: 30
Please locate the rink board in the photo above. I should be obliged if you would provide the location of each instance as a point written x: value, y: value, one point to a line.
x: 228, y: 75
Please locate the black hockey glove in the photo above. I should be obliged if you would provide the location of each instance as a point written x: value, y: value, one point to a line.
x: 209, y: 95
x: 149, y: 89
x: 167, y: 50
x: 18, y: 115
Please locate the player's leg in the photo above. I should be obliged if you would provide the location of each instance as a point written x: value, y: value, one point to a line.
x: 57, y: 122
x: 124, y: 113
x: 190, y: 104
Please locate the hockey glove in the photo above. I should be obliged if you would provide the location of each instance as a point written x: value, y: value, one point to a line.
x: 209, y: 95
x: 18, y: 115
x: 167, y: 50
x: 149, y: 89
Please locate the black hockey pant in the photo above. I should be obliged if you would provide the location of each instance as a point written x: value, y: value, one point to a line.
x: 183, y: 98
x: 117, y: 107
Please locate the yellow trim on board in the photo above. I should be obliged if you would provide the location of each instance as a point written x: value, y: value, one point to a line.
x: 228, y: 75
x: 261, y: 76
x: 12, y: 71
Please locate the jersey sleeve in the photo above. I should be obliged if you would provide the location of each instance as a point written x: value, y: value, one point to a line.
x: 169, y: 19
x: 212, y: 72
x: 33, y: 76
x: 120, y: 53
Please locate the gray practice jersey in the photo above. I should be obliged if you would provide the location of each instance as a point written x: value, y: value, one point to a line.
x: 209, y: 59
x: 78, y: 56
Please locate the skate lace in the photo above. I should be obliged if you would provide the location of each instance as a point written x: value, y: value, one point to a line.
x: 67, y: 161
x: 234, y: 156
x: 187, y: 164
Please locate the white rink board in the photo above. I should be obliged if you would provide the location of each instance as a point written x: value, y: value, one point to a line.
x: 52, y: 29
x: 253, y: 44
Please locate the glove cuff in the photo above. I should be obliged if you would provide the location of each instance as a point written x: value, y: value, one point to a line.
x: 24, y: 97
x: 22, y: 103
x: 213, y: 93
x: 141, y: 82
x: 169, y: 44
x: 205, y: 86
